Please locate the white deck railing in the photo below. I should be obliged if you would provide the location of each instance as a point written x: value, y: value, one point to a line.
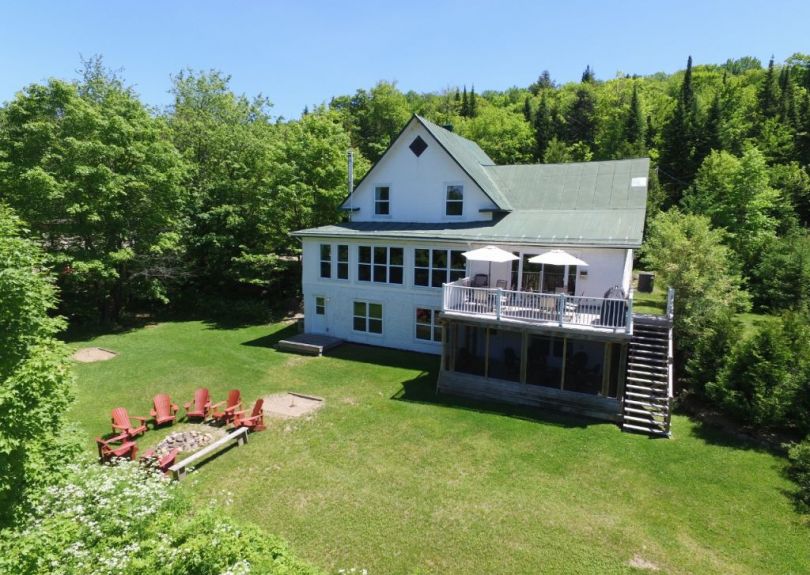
x: 561, y: 309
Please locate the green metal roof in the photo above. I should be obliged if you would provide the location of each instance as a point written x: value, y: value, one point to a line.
x: 585, y: 185
x: 619, y: 228
x: 471, y: 158
x: 586, y: 203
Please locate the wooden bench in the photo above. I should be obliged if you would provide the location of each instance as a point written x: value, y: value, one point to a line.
x: 240, y: 436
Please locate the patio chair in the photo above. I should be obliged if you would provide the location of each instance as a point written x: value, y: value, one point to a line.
x: 163, y: 463
x: 118, y: 446
x: 480, y: 281
x: 233, y: 403
x: 200, y: 407
x: 121, y: 423
x: 163, y: 410
x: 255, y: 421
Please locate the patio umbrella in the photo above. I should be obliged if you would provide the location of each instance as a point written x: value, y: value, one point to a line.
x: 490, y: 254
x: 557, y: 258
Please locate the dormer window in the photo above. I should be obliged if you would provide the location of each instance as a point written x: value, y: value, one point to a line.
x: 382, y: 201
x: 455, y: 200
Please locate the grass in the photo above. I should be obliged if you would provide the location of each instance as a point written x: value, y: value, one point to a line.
x: 389, y: 477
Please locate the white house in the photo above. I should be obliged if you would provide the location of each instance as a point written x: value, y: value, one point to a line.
x: 564, y: 336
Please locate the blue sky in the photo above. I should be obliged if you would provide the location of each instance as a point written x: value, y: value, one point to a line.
x: 303, y: 52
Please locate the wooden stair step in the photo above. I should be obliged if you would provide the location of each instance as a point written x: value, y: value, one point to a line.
x: 650, y: 422
x: 633, y: 411
x: 645, y: 404
x: 645, y: 430
x: 645, y: 398
x: 648, y: 365
x: 650, y: 374
x: 642, y: 380
x: 662, y: 389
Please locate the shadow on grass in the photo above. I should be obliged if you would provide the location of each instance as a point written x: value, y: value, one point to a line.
x: 270, y: 340
x: 422, y: 389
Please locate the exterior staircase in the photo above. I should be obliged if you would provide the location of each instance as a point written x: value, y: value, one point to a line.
x: 648, y: 380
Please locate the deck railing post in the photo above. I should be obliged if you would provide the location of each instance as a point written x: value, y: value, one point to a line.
x: 670, y: 303
x: 628, y: 322
x: 498, y: 294
x: 561, y: 308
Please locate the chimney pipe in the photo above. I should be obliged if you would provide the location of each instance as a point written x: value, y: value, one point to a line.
x: 350, y: 155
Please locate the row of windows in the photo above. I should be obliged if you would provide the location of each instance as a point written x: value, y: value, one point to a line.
x: 380, y: 264
x: 453, y: 204
x: 368, y: 317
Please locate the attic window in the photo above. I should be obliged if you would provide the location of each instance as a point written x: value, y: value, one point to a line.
x: 418, y: 146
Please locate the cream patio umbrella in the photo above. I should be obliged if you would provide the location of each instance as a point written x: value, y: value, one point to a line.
x: 557, y: 258
x: 490, y: 254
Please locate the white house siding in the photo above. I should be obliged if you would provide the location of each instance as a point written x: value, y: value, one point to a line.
x: 417, y: 185
x: 606, y: 269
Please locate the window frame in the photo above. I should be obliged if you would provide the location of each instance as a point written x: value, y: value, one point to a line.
x: 325, y: 262
x: 376, y: 264
x: 320, y: 306
x: 434, y: 325
x: 448, y: 202
x: 340, y: 262
x: 449, y: 270
x: 378, y: 202
x: 367, y: 317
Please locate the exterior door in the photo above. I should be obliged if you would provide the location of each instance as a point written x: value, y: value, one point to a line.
x: 319, y: 315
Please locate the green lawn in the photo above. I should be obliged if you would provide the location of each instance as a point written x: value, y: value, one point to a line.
x: 390, y: 478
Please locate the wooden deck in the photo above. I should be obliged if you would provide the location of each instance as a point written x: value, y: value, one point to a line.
x: 309, y: 343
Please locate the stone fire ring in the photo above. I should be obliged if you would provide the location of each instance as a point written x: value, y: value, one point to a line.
x: 93, y: 354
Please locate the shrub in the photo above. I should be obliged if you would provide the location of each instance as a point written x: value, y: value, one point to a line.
x: 781, y: 278
x: 127, y: 520
x: 799, y: 455
x: 765, y: 381
x: 689, y: 256
x: 35, y: 377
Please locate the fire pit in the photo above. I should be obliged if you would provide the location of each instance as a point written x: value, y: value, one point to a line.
x: 185, y: 441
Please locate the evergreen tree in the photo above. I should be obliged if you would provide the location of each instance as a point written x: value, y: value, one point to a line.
x: 465, y: 104
x: 649, y: 134
x: 710, y: 139
x: 543, y: 82
x: 580, y: 120
x: 588, y: 76
x: 306, y: 111
x: 787, y: 102
x: 634, y: 124
x: 543, y: 127
x: 457, y: 96
x: 527, y: 109
x: 769, y: 94
x: 473, y: 108
x: 677, y: 160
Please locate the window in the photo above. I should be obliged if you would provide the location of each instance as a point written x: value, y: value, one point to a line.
x: 343, y: 262
x: 320, y: 305
x: 326, y: 261
x: 367, y: 317
x: 455, y: 200
x: 382, y: 200
x: 432, y: 268
x: 427, y: 324
x: 418, y: 146
x: 380, y: 264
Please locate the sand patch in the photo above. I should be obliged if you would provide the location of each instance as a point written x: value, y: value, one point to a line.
x: 640, y: 563
x: 93, y: 354
x: 286, y: 405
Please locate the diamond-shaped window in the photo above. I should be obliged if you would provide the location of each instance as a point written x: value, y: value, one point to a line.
x: 418, y: 146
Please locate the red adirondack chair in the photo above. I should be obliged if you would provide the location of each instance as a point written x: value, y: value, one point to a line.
x: 200, y: 407
x: 162, y: 463
x: 226, y: 415
x: 163, y: 410
x: 121, y: 423
x: 255, y: 421
x: 107, y: 448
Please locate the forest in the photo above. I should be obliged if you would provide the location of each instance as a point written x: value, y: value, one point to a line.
x: 190, y: 207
